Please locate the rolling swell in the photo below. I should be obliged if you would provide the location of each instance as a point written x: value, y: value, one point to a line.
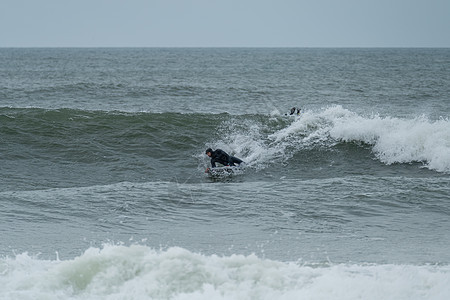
x: 71, y: 147
x: 84, y: 128
x: 65, y: 147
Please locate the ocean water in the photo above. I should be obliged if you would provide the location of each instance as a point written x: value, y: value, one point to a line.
x: 103, y: 193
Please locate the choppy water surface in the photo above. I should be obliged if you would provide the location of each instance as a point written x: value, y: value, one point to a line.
x: 103, y: 193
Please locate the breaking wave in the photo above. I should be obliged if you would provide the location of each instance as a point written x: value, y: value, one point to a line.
x: 140, y: 272
x: 392, y: 140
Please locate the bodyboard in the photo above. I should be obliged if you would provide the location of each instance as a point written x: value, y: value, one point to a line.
x: 223, y: 171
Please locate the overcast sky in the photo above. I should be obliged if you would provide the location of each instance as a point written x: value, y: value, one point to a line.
x: 225, y: 23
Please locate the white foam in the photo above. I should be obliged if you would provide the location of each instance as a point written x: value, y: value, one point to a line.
x: 139, y: 272
x: 393, y: 140
x: 246, y: 141
x: 397, y: 140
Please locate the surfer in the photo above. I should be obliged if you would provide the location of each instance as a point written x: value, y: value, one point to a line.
x: 293, y: 110
x: 221, y: 157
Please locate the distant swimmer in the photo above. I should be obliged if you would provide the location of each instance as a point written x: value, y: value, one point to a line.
x: 221, y: 157
x: 293, y: 111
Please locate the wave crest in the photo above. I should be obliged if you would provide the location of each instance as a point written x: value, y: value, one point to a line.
x: 395, y: 140
x: 392, y: 140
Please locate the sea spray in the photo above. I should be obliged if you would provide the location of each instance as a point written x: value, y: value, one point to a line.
x: 392, y: 140
x: 136, y: 272
x: 396, y: 140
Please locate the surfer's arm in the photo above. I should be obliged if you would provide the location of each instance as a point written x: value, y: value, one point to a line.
x: 213, y: 163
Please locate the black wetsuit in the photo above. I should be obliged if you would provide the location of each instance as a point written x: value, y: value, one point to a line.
x: 221, y: 157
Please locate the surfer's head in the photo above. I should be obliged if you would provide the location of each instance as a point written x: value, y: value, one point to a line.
x: 208, y: 151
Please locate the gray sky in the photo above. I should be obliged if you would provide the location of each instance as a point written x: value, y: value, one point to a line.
x: 225, y: 23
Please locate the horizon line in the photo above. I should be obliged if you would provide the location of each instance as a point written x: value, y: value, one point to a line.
x: 226, y: 47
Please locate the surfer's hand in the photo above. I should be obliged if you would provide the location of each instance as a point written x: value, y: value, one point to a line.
x: 207, y: 170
